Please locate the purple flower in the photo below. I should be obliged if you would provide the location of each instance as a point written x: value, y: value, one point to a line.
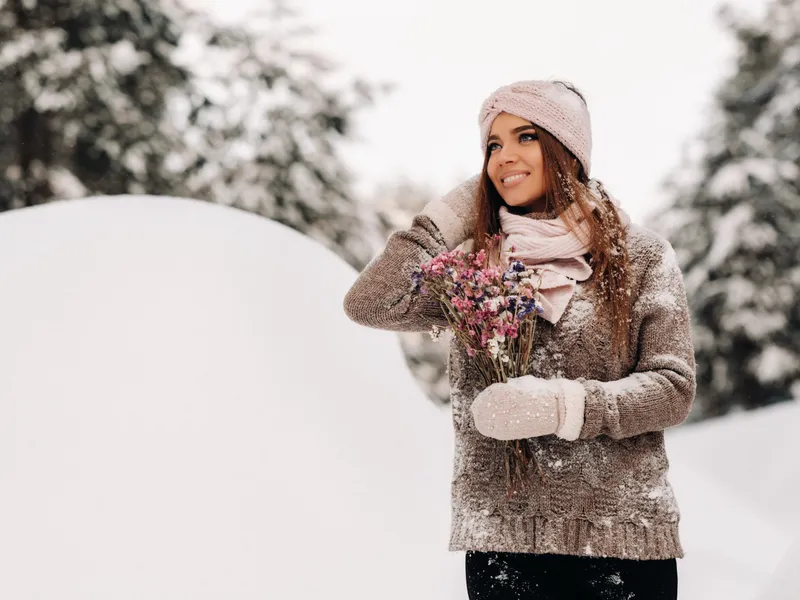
x: 416, y: 279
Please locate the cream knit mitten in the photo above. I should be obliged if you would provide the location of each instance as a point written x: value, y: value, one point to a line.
x: 528, y: 407
x: 454, y: 214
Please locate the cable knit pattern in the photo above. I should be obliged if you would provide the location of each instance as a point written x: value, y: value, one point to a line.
x: 547, y: 104
x: 605, y: 493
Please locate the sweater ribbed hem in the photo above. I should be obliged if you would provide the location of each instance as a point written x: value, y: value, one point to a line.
x: 577, y: 537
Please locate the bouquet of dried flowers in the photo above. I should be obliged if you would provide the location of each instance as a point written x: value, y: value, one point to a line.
x: 493, y: 312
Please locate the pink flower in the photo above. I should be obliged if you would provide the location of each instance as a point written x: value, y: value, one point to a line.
x: 482, y: 303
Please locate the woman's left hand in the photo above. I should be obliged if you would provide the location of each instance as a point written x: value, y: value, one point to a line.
x: 524, y: 407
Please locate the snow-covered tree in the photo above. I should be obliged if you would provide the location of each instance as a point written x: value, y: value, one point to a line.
x: 83, y: 85
x: 146, y: 96
x: 735, y: 222
x: 265, y: 136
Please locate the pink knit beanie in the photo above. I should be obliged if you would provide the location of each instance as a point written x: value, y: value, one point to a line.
x: 550, y: 105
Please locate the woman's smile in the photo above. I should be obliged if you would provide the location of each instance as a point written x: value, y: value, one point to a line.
x: 514, y: 179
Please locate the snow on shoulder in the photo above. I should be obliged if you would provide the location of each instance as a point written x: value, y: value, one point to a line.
x: 187, y: 412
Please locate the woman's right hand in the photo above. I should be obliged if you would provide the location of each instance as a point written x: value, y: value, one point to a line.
x: 455, y: 215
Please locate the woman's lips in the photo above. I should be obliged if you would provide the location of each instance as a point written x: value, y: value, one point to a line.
x: 515, y: 180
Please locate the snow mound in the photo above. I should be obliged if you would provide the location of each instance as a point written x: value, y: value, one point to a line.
x: 187, y: 413
x: 737, y: 480
x: 785, y: 581
x: 753, y: 454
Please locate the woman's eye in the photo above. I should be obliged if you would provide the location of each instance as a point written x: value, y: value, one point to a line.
x: 523, y: 137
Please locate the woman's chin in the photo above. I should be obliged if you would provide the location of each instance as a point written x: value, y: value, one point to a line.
x: 523, y: 205
x: 516, y: 201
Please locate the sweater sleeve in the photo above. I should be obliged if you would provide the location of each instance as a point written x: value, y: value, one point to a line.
x: 382, y: 296
x: 660, y: 391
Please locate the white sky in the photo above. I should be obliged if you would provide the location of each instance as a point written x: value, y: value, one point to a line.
x: 648, y: 70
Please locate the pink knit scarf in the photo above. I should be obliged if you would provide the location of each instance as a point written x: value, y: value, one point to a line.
x: 550, y: 245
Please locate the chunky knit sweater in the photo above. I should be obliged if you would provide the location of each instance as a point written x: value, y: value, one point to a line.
x: 606, y: 493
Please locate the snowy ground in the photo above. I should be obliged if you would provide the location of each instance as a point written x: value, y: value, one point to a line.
x: 783, y: 584
x: 187, y: 413
x: 737, y: 482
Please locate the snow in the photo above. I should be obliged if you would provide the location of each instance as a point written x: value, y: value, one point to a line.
x: 26, y: 44
x: 726, y: 236
x: 124, y: 57
x: 737, y: 482
x: 758, y: 236
x: 65, y: 184
x: 785, y: 580
x: 627, y: 385
x: 726, y: 233
x: 581, y: 310
x: 188, y: 413
x: 774, y: 363
x: 730, y: 548
x: 665, y: 299
x: 734, y: 178
x: 757, y: 324
x: 178, y: 421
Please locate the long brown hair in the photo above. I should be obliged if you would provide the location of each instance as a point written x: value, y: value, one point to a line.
x: 566, y: 182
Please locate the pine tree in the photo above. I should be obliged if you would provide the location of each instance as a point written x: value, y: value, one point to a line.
x: 735, y: 222
x: 148, y: 97
x: 82, y: 98
x: 266, y: 136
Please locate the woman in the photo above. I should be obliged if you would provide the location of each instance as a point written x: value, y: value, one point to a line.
x: 613, y: 365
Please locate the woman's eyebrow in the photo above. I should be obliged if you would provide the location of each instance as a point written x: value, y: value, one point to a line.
x: 515, y: 130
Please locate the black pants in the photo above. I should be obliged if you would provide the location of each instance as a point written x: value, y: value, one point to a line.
x: 502, y: 575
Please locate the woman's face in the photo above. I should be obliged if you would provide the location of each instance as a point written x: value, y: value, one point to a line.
x: 515, y: 166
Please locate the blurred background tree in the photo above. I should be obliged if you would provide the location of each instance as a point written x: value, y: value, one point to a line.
x: 147, y: 97
x: 263, y: 121
x: 83, y: 91
x: 735, y: 222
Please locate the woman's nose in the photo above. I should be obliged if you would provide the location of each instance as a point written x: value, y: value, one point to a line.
x: 507, y: 155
